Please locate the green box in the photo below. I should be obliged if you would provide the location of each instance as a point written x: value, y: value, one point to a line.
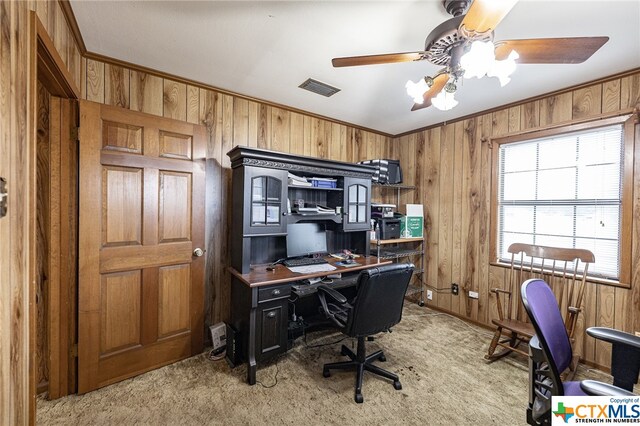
x: 411, y: 227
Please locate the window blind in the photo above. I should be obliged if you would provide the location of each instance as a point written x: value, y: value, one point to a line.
x: 564, y: 191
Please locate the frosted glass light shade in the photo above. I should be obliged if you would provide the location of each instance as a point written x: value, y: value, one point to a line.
x: 503, y: 69
x: 417, y: 90
x: 478, y: 60
x: 444, y: 101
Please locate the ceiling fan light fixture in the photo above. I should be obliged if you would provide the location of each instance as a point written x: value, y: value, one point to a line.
x: 418, y: 89
x: 503, y: 69
x: 478, y: 60
x: 445, y: 99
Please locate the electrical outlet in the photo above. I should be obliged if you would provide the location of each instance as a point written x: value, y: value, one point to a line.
x: 429, y: 295
x: 454, y: 289
x: 473, y: 294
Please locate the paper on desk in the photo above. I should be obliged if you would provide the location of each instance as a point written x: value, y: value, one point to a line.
x: 310, y: 269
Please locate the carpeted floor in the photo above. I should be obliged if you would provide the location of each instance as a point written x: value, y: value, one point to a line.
x: 439, y: 359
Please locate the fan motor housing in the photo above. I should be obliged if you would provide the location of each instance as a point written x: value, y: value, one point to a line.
x: 456, y: 7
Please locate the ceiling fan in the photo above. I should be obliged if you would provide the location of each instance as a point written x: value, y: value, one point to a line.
x: 464, y: 46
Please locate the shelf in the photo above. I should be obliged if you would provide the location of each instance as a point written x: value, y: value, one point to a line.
x: 396, y: 253
x: 393, y: 185
x: 314, y: 188
x: 397, y: 241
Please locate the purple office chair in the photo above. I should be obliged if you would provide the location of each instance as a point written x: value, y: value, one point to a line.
x: 550, y: 354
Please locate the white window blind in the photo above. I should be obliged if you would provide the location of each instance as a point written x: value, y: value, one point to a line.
x: 564, y: 191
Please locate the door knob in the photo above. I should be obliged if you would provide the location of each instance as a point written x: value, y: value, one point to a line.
x: 198, y: 252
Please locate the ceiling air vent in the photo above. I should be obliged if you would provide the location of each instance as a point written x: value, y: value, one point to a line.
x: 318, y: 87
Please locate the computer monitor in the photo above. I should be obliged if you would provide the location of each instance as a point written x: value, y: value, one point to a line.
x: 306, y: 238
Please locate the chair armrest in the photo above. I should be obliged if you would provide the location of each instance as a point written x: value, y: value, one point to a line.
x: 499, y: 290
x: 614, y: 336
x: 594, y: 388
x: 334, y: 294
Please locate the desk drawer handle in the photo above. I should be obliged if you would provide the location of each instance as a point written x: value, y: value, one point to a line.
x: 271, y: 314
x: 275, y: 292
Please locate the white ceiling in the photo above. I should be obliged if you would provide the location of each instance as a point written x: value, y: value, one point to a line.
x: 265, y: 49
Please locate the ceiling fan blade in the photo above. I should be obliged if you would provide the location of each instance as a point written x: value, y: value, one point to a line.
x: 485, y: 15
x: 573, y: 50
x: 438, y: 84
x: 351, y: 61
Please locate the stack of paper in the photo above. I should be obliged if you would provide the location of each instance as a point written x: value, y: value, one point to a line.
x: 295, y: 180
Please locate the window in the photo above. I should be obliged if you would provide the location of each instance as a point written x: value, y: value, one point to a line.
x: 565, y: 190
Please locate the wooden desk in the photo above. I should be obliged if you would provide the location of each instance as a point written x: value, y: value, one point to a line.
x: 260, y: 309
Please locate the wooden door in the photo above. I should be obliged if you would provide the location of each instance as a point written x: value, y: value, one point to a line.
x: 141, y: 286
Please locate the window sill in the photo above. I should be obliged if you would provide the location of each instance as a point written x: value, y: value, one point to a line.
x: 592, y: 280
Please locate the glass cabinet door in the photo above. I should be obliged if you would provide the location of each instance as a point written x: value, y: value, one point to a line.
x: 267, y: 189
x: 357, y: 204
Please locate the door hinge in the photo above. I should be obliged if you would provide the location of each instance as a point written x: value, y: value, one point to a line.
x: 74, y: 351
x: 75, y: 132
x: 3, y: 197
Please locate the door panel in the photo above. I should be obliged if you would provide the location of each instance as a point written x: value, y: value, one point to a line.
x: 141, y: 217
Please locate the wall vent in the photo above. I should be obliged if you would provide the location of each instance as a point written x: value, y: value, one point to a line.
x: 318, y: 87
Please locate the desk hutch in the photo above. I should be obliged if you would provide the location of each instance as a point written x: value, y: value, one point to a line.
x: 262, y: 198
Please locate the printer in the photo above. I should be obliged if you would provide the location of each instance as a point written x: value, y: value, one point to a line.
x: 388, y: 228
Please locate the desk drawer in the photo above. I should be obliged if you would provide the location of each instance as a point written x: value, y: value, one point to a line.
x: 274, y: 293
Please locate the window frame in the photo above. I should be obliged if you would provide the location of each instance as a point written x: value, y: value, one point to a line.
x: 629, y: 135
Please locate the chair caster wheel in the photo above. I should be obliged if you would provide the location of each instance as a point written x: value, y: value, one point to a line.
x: 397, y: 385
x: 382, y: 358
x: 421, y: 304
x: 326, y: 372
x: 359, y: 399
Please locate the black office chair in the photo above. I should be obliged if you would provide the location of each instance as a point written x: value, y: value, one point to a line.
x: 550, y: 354
x: 376, y: 308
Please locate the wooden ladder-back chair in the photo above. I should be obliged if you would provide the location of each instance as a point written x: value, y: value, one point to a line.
x: 565, y: 268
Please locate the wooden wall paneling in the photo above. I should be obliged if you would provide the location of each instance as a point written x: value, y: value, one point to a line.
x: 338, y: 142
x: 307, y: 140
x: 587, y: 102
x: 470, y: 145
x: 240, y: 122
x: 589, y: 316
x: 605, y: 302
x: 147, y: 93
x: 214, y: 273
x: 484, y: 225
x: 95, y: 81
x: 83, y: 78
x: 280, y: 129
x: 296, y: 138
x: 358, y: 151
x: 174, y: 100
x: 446, y: 219
x: 60, y: 36
x: 500, y: 123
x: 253, y: 123
x: 193, y: 104
x: 630, y: 91
x: 457, y: 305
x: 431, y: 199
x: 264, y: 126
x: 621, y: 320
x: 225, y: 202
x: 515, y: 117
x: 116, y: 86
x: 611, y: 96
x: 42, y: 10
x: 418, y: 181
x: 633, y: 316
x: 328, y: 133
x: 530, y: 115
x: 317, y: 145
x: 75, y: 63
x: 42, y: 239
x: 556, y: 109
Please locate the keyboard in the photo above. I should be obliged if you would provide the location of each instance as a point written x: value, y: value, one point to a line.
x: 304, y: 261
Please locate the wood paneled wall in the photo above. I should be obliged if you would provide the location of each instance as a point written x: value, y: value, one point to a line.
x: 453, y: 171
x: 17, y: 165
x: 230, y: 121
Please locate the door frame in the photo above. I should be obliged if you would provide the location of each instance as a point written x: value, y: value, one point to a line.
x: 46, y: 65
